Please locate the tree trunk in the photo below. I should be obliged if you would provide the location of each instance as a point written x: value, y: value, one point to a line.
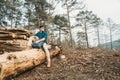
x: 29, y: 22
x: 110, y: 25
x: 59, y: 35
x: 12, y: 14
x: 86, y: 35
x: 12, y: 36
x: 10, y: 47
x: 16, y: 24
x: 111, y: 37
x: 14, y: 33
x: 14, y: 63
x: 11, y: 22
x: 37, y: 14
x: 98, y: 36
x: 68, y: 15
x: 105, y: 41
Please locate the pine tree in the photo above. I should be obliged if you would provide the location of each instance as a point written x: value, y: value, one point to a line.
x: 80, y: 39
x: 87, y: 19
x: 70, y: 6
x: 61, y: 22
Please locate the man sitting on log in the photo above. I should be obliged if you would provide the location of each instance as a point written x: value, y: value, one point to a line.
x: 39, y: 40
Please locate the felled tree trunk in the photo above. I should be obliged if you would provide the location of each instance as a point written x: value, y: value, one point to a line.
x: 14, y: 63
x: 14, y: 33
x: 12, y: 36
x: 10, y: 48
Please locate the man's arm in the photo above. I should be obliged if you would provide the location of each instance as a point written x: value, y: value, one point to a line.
x: 40, y: 40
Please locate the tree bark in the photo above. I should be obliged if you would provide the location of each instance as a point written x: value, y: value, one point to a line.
x: 68, y: 15
x: 59, y: 35
x: 110, y: 28
x: 98, y: 36
x: 86, y: 35
x: 14, y: 63
x: 10, y: 47
x: 12, y: 36
x: 111, y: 36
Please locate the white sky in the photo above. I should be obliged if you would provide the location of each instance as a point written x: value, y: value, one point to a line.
x: 102, y: 8
x: 105, y: 8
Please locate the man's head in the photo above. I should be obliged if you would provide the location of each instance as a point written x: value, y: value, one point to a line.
x: 42, y: 28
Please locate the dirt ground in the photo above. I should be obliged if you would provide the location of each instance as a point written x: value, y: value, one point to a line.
x: 78, y: 64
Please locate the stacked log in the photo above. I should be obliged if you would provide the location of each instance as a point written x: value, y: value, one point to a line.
x: 14, y: 33
x: 9, y: 39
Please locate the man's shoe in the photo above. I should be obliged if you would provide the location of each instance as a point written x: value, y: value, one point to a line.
x: 49, y: 64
